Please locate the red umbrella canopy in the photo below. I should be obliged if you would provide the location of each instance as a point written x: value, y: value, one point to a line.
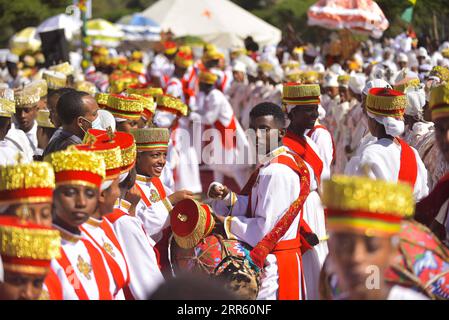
x: 363, y: 16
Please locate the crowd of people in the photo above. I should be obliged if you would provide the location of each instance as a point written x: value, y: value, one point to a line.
x: 328, y: 172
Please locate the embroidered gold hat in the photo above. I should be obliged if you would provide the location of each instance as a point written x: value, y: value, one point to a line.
x: 310, y: 77
x: 266, y: 66
x: 77, y: 167
x: 439, y: 101
x: 171, y: 104
x: 136, y: 67
x: 26, y: 247
x: 406, y: 83
x: 149, y: 105
x: 386, y: 102
x: 26, y: 183
x: 367, y: 206
x: 210, y: 55
x: 149, y: 139
x: 41, y: 85
x: 43, y: 119
x: 125, y: 107
x: 300, y: 94
x: 102, y: 99
x: 55, y: 80
x: 64, y: 68
x: 440, y: 72
x: 144, y: 88
x: 208, y: 77
x: 26, y: 97
x: 86, y: 86
x: 293, y: 75
x: 7, y: 107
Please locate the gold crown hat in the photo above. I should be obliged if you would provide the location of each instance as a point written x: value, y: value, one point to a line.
x: 343, y: 81
x: 102, y: 99
x: 440, y: 72
x: 439, y: 101
x: 149, y: 139
x: 43, y: 119
x: 41, y: 85
x: 136, y: 67
x: 86, y: 86
x: 55, y: 80
x: 149, y: 105
x: 293, y: 75
x: 213, y: 54
x: 291, y: 64
x: 77, y: 167
x: 208, y: 77
x: 144, y: 89
x: 65, y: 68
x: 171, y: 104
x: 26, y: 183
x: 27, y: 247
x: 125, y: 107
x: 386, y: 102
x: 26, y: 96
x: 310, y: 77
x: 265, y: 66
x: 296, y: 94
x: 7, y: 104
x: 367, y: 206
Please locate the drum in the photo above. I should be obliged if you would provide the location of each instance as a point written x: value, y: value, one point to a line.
x: 221, y: 258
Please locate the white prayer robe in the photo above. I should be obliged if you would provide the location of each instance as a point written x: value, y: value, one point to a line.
x: 32, y: 138
x: 8, y: 155
x: 138, y: 249
x: 93, y: 231
x: 18, y: 140
x: 81, y: 265
x: 382, y: 160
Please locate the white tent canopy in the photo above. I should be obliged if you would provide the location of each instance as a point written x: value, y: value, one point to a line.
x: 220, y: 22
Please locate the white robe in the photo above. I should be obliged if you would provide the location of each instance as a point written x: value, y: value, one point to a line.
x: 382, y: 160
x: 18, y: 140
x: 8, y: 155
x: 138, y: 249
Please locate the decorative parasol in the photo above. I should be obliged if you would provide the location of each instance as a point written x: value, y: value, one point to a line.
x: 103, y: 33
x: 25, y: 40
x: 360, y: 16
x: 139, y: 28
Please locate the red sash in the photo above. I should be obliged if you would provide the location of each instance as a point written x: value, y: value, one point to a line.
x: 305, y: 151
x: 408, y: 170
x: 231, y: 128
x: 54, y: 286
x: 334, y: 150
x: 287, y: 252
x: 98, y: 268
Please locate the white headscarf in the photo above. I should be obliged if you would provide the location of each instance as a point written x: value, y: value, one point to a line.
x: 357, y: 83
x: 416, y: 99
x: 393, y: 127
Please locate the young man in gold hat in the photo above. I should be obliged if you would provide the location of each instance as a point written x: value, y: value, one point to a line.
x: 389, y: 157
x: 364, y: 221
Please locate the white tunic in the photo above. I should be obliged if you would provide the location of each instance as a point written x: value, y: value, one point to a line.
x: 138, y: 249
x: 18, y: 140
x: 403, y: 293
x: 382, y: 160
x: 8, y: 155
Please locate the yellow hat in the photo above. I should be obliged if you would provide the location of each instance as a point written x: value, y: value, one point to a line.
x: 149, y: 139
x: 55, y: 80
x: 386, y: 102
x: 142, y: 89
x: 406, y: 83
x: 7, y: 108
x: 445, y: 53
x: 137, y: 55
x: 26, y: 96
x: 310, y: 77
x: 266, y: 66
x: 41, y: 85
x: 343, y: 80
x: 183, y: 59
x: 208, y: 77
x: 43, y: 119
x: 210, y: 55
x: 136, y: 67
x: 86, y: 86
x: 171, y: 104
x: 293, y: 75
x: 26, y: 183
x: 363, y: 205
x: 440, y: 72
x: 291, y: 64
x: 149, y: 105
x: 300, y: 94
x: 125, y: 107
x: 65, y: 68
x: 102, y: 99
x: 439, y: 101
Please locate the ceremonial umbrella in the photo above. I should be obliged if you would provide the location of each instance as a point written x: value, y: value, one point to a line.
x: 361, y: 16
x: 101, y: 32
x: 24, y: 40
x: 139, y: 28
x: 70, y: 24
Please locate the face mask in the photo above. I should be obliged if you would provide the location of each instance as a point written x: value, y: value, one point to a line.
x: 163, y: 119
x: 82, y: 127
x: 96, y: 124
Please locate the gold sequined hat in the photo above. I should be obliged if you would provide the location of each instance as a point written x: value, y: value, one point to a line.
x: 300, y: 94
x: 149, y: 105
x: 171, y: 104
x: 125, y: 107
x: 26, y: 247
x: 55, y: 80
x: 149, y: 139
x: 77, y: 167
x: 26, y: 97
x: 386, y: 102
x: 440, y: 72
x: 41, y: 85
x: 102, y: 99
x: 43, y: 119
x: 439, y: 101
x: 26, y: 183
x: 86, y: 86
x: 7, y: 106
x: 367, y: 206
x: 183, y: 59
x: 144, y: 88
x: 64, y: 68
x: 208, y: 77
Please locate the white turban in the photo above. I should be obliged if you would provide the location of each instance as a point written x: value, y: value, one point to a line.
x: 402, y: 57
x: 376, y: 83
x: 13, y: 58
x: 337, y: 69
x: 239, y: 67
x: 422, y: 52
x: 416, y: 99
x: 330, y: 80
x: 393, y: 127
x: 357, y: 83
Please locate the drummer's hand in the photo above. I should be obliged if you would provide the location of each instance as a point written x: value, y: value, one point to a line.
x: 179, y: 196
x: 218, y: 192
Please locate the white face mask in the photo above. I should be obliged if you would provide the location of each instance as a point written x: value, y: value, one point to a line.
x: 163, y: 119
x: 96, y: 124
